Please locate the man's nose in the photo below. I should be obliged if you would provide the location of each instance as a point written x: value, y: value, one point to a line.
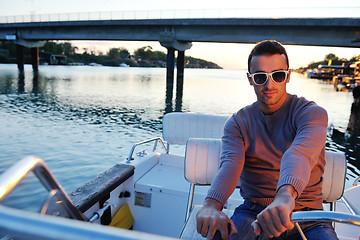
x: 269, y: 82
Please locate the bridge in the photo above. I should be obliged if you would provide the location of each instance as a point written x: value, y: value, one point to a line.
x: 177, y: 34
x: 340, y: 32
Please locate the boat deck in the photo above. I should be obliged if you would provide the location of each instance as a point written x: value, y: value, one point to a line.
x: 164, y: 190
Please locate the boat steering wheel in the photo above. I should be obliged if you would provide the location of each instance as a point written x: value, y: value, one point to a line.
x: 323, y: 216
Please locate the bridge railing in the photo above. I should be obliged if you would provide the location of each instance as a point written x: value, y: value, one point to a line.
x: 278, y: 12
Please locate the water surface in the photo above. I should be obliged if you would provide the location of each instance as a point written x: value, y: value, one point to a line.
x: 81, y: 120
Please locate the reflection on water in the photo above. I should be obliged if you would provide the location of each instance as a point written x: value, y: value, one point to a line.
x: 82, y: 120
x: 349, y: 141
x: 352, y: 151
x: 169, y: 98
x: 21, y: 83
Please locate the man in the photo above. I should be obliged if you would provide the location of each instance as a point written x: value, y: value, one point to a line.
x: 276, y: 148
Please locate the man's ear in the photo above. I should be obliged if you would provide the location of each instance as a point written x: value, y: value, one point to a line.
x: 288, y: 76
x: 249, y: 78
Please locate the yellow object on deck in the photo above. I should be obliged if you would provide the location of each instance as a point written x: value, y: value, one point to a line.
x: 123, y: 218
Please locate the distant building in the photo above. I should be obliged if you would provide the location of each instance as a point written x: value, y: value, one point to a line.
x: 356, y: 69
x: 333, y: 68
x: 52, y: 59
x: 349, y: 78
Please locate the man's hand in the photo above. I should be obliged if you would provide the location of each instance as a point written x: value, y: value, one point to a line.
x: 210, y: 218
x: 276, y: 218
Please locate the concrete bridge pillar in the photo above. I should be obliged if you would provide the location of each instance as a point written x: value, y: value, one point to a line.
x: 35, y: 58
x: 34, y: 45
x: 170, y: 64
x: 167, y: 40
x: 20, y: 57
x: 180, y: 65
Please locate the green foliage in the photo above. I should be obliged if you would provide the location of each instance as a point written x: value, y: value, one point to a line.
x: 9, y: 46
x: 199, y: 63
x: 68, y: 49
x: 144, y: 56
x: 64, y: 48
x: 118, y: 53
x: 331, y: 56
x: 4, y: 59
x: 314, y: 65
x: 52, y: 47
x: 355, y: 58
x: 144, y: 52
x: 328, y: 57
x: 159, y: 56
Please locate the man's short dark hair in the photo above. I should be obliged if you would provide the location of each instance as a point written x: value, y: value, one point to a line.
x: 356, y: 92
x: 267, y: 47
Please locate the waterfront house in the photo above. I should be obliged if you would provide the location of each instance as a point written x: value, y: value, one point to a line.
x: 52, y: 59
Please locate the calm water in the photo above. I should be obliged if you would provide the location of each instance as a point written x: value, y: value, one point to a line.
x: 81, y: 120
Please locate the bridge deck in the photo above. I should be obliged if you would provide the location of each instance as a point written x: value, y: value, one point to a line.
x: 341, y: 32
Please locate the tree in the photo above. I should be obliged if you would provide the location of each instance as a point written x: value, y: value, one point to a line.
x: 144, y: 52
x: 9, y: 46
x: 124, y: 53
x: 118, y: 53
x: 64, y: 48
x: 68, y: 49
x: 192, y: 62
x: 331, y: 56
x: 313, y: 65
x: 147, y: 53
x: 326, y: 60
x: 52, y: 47
x: 355, y: 58
x: 159, y: 56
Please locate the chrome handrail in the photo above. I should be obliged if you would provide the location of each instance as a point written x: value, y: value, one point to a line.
x: 356, y: 181
x: 19, y: 224
x: 98, y: 213
x: 16, y: 173
x: 143, y: 142
x: 348, y: 206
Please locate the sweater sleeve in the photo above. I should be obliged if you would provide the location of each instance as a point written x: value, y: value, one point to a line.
x: 304, y: 152
x: 232, y: 163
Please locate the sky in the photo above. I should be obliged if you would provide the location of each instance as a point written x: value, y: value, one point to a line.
x: 227, y: 55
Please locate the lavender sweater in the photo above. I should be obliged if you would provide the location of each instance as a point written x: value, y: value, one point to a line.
x: 268, y: 151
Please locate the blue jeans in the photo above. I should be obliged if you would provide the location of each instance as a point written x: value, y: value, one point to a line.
x: 246, y: 213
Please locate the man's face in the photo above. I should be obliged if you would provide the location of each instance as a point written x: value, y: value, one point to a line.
x: 271, y: 95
